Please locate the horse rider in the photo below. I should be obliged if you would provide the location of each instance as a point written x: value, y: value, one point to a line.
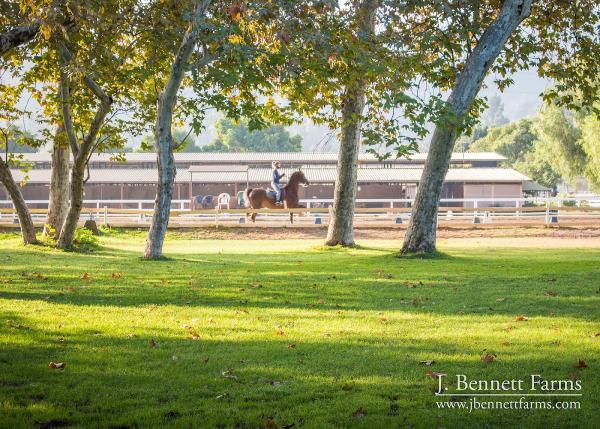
x: 275, y: 181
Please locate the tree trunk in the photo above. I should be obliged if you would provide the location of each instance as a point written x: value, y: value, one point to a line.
x: 58, y: 203
x: 25, y: 221
x: 81, y: 153
x: 163, y: 139
x: 67, y: 233
x: 341, y: 223
x: 421, y: 233
x: 341, y: 231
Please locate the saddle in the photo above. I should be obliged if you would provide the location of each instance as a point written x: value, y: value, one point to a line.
x: 271, y: 194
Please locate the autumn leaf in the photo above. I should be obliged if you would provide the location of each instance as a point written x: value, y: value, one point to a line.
x: 580, y: 365
x: 550, y: 293
x: 359, y: 413
x: 116, y: 275
x: 488, y: 358
x: 270, y: 424
x: 85, y: 276
x: 280, y: 333
x: 597, y: 334
x: 291, y: 346
x: 57, y: 365
x: 153, y: 343
x: 521, y: 319
x: 229, y: 374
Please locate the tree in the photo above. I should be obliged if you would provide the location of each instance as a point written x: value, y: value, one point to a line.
x: 420, y: 235
x: 11, y: 39
x: 494, y: 114
x: 564, y: 49
x: 26, y: 223
x: 237, y: 137
x: 590, y: 141
x: 559, y: 142
x: 241, y: 56
x: 519, y: 143
x: 513, y: 140
x: 341, y: 230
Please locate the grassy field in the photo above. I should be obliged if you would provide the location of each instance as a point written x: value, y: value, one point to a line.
x: 288, y: 334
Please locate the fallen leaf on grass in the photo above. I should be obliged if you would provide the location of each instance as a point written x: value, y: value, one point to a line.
x: 85, y: 276
x: 116, y: 275
x: 521, y: 319
x: 57, y: 365
x: 427, y: 362
x: 359, y: 413
x: 280, y: 333
x: 434, y: 374
x: 229, y: 374
x: 550, y: 293
x: 488, y: 358
x: 270, y: 424
x: 291, y: 346
x: 153, y: 343
x: 580, y: 365
x: 597, y: 334
x: 500, y: 299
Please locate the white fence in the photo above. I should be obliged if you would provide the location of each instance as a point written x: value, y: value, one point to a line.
x: 325, y: 202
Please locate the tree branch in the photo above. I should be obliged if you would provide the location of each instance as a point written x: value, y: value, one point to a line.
x: 18, y: 36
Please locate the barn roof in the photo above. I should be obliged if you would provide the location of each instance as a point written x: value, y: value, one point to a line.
x: 267, y: 157
x: 263, y: 175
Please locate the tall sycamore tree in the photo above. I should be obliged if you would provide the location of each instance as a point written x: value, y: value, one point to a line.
x: 559, y: 39
x: 227, y: 56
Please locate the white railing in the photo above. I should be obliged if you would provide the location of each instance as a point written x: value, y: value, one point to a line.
x: 312, y: 202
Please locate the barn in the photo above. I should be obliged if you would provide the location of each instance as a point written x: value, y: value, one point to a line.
x: 117, y: 182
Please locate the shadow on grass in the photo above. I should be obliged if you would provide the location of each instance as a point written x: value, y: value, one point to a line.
x: 487, y: 283
x: 120, y: 381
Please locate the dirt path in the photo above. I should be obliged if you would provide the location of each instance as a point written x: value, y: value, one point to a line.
x: 391, y: 234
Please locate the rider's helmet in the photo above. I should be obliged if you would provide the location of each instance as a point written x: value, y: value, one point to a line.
x: 275, y: 164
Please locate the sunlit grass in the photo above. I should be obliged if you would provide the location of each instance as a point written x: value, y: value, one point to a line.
x: 250, y: 333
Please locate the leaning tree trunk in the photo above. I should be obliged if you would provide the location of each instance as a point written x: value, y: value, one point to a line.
x: 25, y: 221
x: 163, y: 139
x: 58, y: 203
x: 341, y: 223
x: 421, y: 233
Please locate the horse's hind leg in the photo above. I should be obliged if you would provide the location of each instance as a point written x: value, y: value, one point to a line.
x: 253, y: 217
x: 291, y: 217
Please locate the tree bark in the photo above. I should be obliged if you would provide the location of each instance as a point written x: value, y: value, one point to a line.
x: 58, y: 203
x: 341, y: 223
x: 25, y: 221
x: 163, y: 139
x: 421, y: 233
x: 17, y: 36
x: 82, y: 152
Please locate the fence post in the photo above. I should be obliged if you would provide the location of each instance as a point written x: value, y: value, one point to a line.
x: 105, y: 216
x: 216, y: 216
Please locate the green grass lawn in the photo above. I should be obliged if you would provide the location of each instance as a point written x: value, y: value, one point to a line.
x: 288, y: 334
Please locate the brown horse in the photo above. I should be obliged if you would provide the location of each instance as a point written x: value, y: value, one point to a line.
x: 259, y: 198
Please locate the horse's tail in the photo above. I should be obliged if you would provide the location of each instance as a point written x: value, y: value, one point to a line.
x: 247, y: 198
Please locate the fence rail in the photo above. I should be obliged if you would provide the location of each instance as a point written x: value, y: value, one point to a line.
x: 377, y: 216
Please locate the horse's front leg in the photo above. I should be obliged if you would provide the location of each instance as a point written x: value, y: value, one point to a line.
x: 291, y: 217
